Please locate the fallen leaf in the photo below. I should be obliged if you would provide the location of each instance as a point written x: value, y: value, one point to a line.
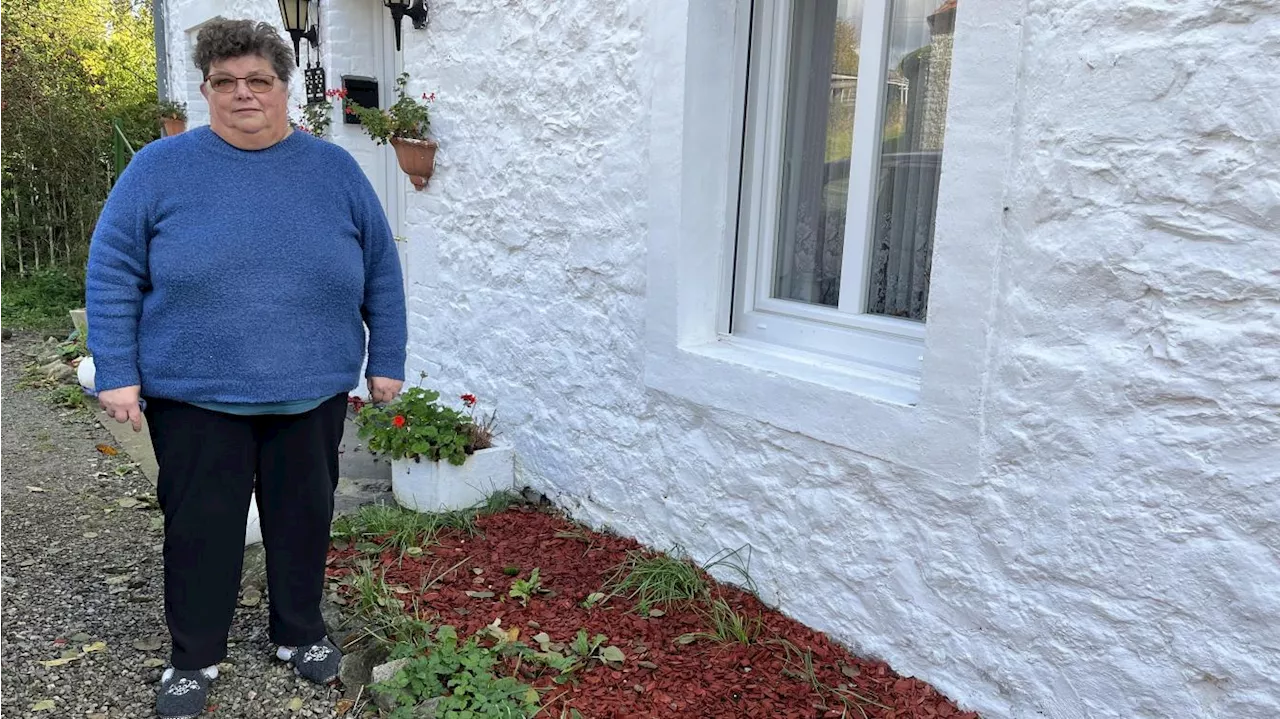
x: 43, y: 705
x: 342, y: 706
x: 90, y: 535
x: 686, y: 639
x: 612, y: 654
x: 401, y: 589
x: 414, y: 551
x: 477, y: 571
x: 128, y: 503
x: 150, y: 644
x: 252, y: 597
x: 657, y: 613
x: 646, y: 665
x: 849, y: 671
x: 295, y: 704
x: 108, y: 450
x: 480, y: 595
x: 35, y: 489
x: 118, y: 579
x: 95, y: 647
x: 543, y: 639
x: 153, y: 663
x: 79, y: 637
x: 61, y: 662
x: 71, y: 654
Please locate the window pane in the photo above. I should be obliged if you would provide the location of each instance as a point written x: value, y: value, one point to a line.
x: 915, y: 112
x: 822, y: 87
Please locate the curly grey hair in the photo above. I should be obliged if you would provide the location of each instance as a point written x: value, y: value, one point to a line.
x: 223, y: 39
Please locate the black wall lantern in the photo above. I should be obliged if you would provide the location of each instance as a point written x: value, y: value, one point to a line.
x: 400, y: 9
x: 296, y: 15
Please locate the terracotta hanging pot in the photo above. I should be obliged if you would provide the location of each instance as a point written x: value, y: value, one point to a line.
x: 417, y: 158
x: 173, y: 126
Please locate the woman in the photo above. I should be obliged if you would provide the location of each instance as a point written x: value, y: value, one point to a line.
x: 231, y: 277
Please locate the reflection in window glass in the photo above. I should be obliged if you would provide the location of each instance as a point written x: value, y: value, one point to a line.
x: 915, y: 112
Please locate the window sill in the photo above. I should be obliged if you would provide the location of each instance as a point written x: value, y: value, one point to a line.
x: 869, y: 411
x: 831, y: 374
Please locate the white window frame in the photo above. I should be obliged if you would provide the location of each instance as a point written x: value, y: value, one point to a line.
x: 697, y: 54
x: 847, y: 332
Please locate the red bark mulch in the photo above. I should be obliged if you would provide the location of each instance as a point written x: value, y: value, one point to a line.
x: 700, y: 679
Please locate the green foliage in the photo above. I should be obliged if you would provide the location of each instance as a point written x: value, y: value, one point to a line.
x: 408, y: 117
x: 653, y: 580
x: 67, y: 397
x: 416, y: 426
x: 394, y: 527
x: 41, y: 300
x: 524, y: 589
x: 171, y: 109
x: 729, y: 625
x: 584, y: 645
x: 462, y: 675
x: 70, y: 68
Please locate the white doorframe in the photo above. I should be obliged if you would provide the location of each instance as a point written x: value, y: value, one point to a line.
x: 390, y: 64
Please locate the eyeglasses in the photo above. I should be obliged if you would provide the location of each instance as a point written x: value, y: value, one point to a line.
x: 258, y: 84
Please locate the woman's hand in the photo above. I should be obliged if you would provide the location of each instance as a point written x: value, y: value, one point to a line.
x: 122, y: 405
x: 383, y: 389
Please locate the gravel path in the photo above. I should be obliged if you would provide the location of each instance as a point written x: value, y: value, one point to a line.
x: 80, y: 569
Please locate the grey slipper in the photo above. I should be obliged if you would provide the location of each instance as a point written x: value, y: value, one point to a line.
x: 183, y: 692
x: 317, y: 662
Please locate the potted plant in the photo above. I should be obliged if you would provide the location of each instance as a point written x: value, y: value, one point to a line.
x: 404, y: 125
x: 442, y: 458
x: 173, y: 115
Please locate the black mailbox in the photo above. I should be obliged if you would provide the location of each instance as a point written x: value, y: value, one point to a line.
x: 361, y: 91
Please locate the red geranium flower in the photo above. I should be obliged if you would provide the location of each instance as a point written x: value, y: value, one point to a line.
x: 469, y: 400
x: 398, y: 420
x: 356, y: 403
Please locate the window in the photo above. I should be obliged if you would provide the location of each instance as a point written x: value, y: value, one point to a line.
x: 844, y: 125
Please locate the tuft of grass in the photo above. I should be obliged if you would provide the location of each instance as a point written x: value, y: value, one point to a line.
x: 499, y: 502
x: 394, y: 527
x: 383, y: 611
x: 371, y: 597
x: 652, y: 580
x: 800, y: 665
x: 41, y: 300
x: 736, y: 562
x: 729, y: 625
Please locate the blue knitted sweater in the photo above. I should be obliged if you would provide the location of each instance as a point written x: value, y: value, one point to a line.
x: 223, y: 275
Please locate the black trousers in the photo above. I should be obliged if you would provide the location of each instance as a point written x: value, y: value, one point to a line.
x: 208, y: 465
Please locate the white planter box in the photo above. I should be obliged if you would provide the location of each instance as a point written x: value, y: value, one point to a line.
x: 436, y: 486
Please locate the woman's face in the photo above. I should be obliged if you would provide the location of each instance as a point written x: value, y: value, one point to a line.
x: 240, y: 108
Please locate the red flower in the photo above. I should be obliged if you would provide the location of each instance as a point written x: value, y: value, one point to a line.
x: 469, y: 400
x: 398, y: 420
x: 355, y: 402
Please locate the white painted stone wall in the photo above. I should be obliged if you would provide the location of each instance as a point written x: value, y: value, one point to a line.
x: 1085, y: 520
